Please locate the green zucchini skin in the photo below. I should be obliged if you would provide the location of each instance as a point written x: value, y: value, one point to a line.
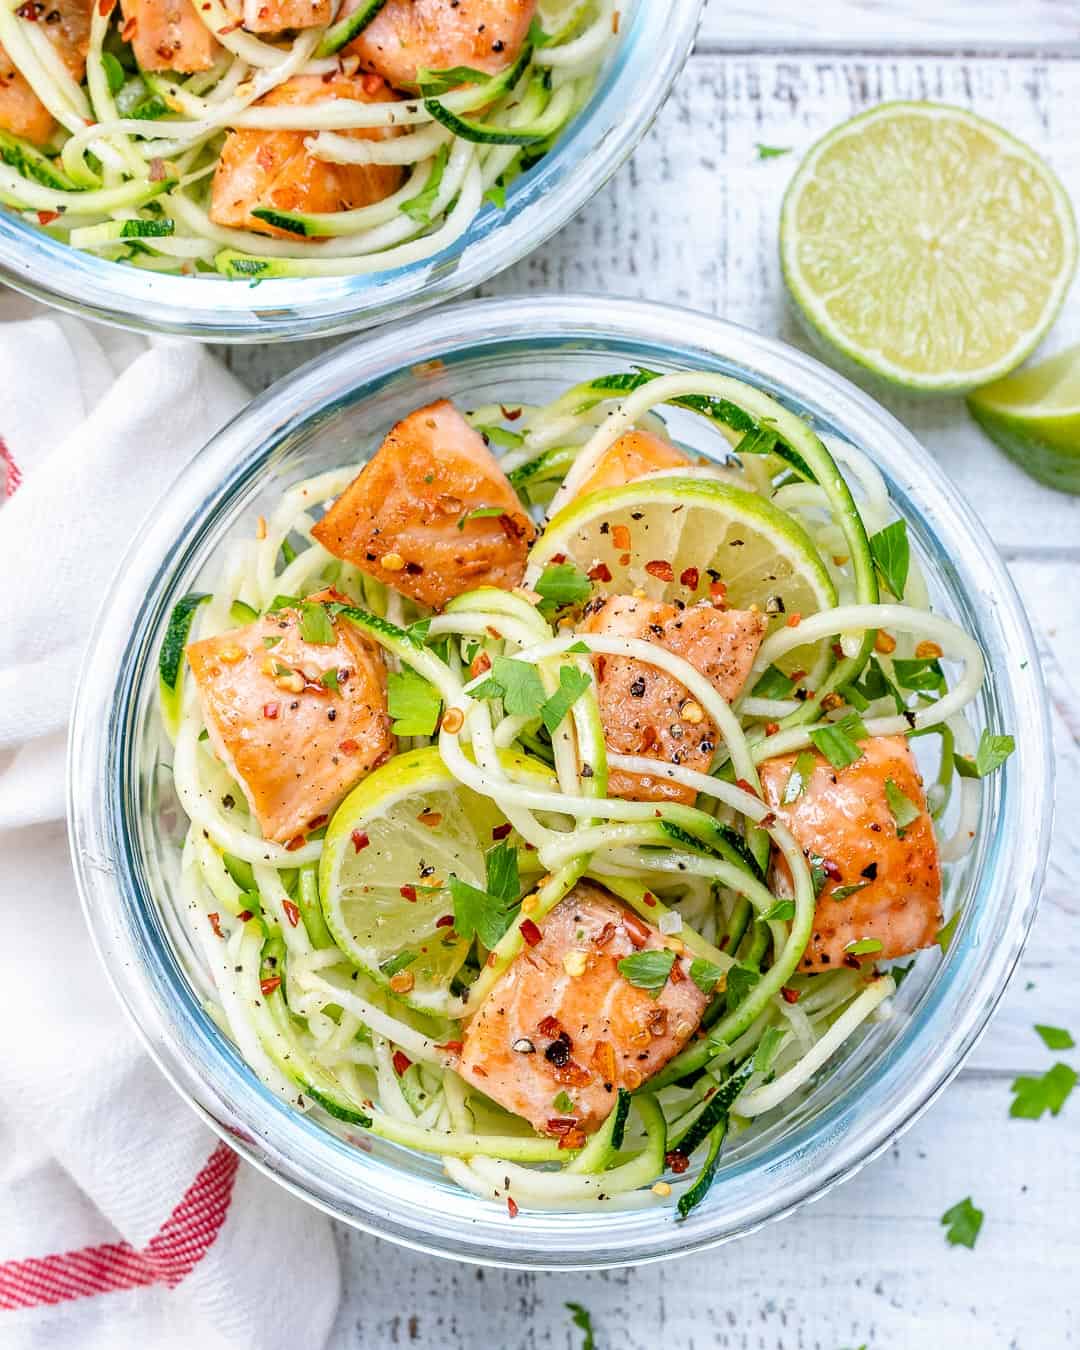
x: 343, y: 32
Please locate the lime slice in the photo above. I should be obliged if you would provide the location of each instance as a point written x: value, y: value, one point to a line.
x: 694, y: 530
x: 927, y: 245
x: 383, y: 877
x: 1034, y: 416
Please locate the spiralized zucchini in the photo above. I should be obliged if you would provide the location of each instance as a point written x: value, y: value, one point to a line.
x: 327, y: 1034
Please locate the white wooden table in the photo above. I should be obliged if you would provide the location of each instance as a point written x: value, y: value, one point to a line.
x: 868, y: 1264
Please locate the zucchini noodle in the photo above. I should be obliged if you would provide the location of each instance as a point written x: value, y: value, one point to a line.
x: 130, y: 170
x: 718, y: 873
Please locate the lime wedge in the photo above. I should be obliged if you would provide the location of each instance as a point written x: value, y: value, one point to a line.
x: 1034, y: 416
x: 694, y: 531
x: 384, y: 874
x: 927, y: 245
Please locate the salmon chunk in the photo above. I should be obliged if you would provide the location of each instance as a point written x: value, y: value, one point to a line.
x: 168, y: 35
x: 293, y: 742
x: 66, y: 23
x: 632, y: 456
x: 647, y: 712
x: 273, y: 169
x: 271, y: 16
x: 410, y: 518
x: 407, y: 36
x: 843, y: 822
x: 545, y: 1030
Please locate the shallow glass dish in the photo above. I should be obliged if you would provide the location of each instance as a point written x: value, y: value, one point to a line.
x: 123, y: 826
x: 653, y: 44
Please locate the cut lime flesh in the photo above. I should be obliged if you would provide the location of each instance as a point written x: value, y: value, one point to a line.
x: 1034, y: 415
x: 703, y: 529
x: 927, y: 245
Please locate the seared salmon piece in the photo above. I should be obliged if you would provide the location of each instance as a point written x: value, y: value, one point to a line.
x: 843, y: 819
x: 408, y: 518
x: 632, y: 456
x: 409, y: 35
x: 66, y: 23
x: 294, y: 744
x: 168, y: 35
x: 646, y: 711
x: 273, y: 169
x: 544, y: 1029
x: 271, y: 16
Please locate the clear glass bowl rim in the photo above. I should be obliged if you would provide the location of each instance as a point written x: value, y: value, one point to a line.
x: 655, y: 41
x: 343, y: 1181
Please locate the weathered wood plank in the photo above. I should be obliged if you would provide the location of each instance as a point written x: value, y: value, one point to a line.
x: 692, y: 220
x: 867, y: 1264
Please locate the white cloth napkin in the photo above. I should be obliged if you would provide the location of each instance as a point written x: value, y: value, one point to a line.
x: 124, y: 1222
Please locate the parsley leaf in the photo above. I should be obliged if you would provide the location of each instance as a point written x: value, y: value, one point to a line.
x: 705, y: 975
x: 993, y: 751
x: 844, y: 892
x: 503, y: 437
x: 818, y: 875
x: 876, y: 684
x: 648, y: 970
x: 962, y: 1224
x: 799, y: 777
x: 1055, y: 1038
x: 572, y: 684
x: 412, y: 702
x: 741, y: 979
x: 398, y: 962
x: 563, y: 1102
x: 922, y: 675
x: 864, y: 947
x: 837, y: 740
x: 767, y: 1048
x: 562, y: 584
x: 1034, y: 1096
x: 583, y: 1321
x: 771, y: 151
x: 783, y: 909
x: 892, y: 556
x: 114, y: 72
x: 329, y: 680
x: 315, y: 625
x: 482, y: 513
x: 503, y: 878
x: 518, y: 685
x: 773, y: 684
x: 944, y: 936
x: 419, y: 207
x: 496, y: 195
x: 904, y: 811
x: 479, y: 914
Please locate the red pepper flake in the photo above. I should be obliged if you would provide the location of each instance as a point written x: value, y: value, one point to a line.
x: 349, y: 747
x: 771, y: 728
x: 661, y: 570
x: 838, y: 651
x: 746, y: 786
x: 718, y: 590
x: 678, y: 1162
x: 677, y: 974
x: 401, y: 1062
x: 620, y: 537
x: 790, y: 995
x: 372, y: 84
x: 549, y: 1026
x: 561, y: 1124
x: 244, y: 915
x: 47, y: 217
x: 798, y: 676
x: 481, y: 663
x: 511, y: 1206
x: 830, y: 869
x: 29, y: 11
x: 511, y: 414
x: 297, y: 841
x: 637, y: 930
x: 105, y: 7
x: 215, y: 924
x: 431, y: 819
x: 451, y: 1047
x: 689, y: 577
x: 649, y: 899
x: 501, y: 831
x: 268, y: 986
x: 318, y: 822
x: 359, y: 839
x: 229, y: 28
x: 530, y: 932
x: 409, y: 892
x: 271, y: 710
x: 558, y: 557
x: 157, y: 171
x: 292, y: 912
x: 767, y: 821
x: 573, y: 1139
x: 601, y: 572
x: 492, y: 632
x: 794, y: 620
x: 444, y: 921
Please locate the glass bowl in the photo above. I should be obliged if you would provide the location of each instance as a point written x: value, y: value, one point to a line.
x: 654, y: 42
x: 123, y: 825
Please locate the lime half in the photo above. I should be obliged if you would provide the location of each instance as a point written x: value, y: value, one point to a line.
x: 927, y: 245
x: 384, y: 874
x: 674, y: 537
x: 1034, y: 416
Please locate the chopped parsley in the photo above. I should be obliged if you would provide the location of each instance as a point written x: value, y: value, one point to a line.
x: 563, y: 1102
x: 766, y: 1049
x: 705, y: 975
x: 496, y: 195
x: 924, y: 676
x: 482, y: 513
x: 837, y: 740
x: 783, y: 909
x: 329, y: 680
x: 487, y: 914
x: 648, y: 970
x: 903, y: 809
x: 944, y: 936
x: 993, y: 751
x: 845, y: 892
x: 864, y: 947
x: 413, y: 702
x: 962, y: 1224
x: 582, y: 1319
x: 741, y: 979
x: 572, y: 684
x: 892, y: 556
x: 799, y: 778
x: 771, y: 151
x: 315, y: 625
x: 562, y: 584
x: 773, y: 684
x: 518, y: 685
x: 1032, y: 1097
x: 419, y: 207
x: 1055, y: 1038
x: 398, y: 962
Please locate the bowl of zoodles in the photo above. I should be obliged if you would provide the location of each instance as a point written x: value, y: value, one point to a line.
x: 288, y: 168
x: 567, y: 794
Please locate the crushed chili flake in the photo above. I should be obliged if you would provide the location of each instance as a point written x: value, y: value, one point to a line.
x: 451, y: 1047
x: 244, y: 915
x: 297, y: 841
x: 292, y: 912
x: 620, y: 537
x: 558, y: 557
x: 349, y: 747
x: 717, y: 590
x: 601, y: 572
x: 636, y: 929
x: 661, y: 570
x: 771, y: 728
x: 215, y: 924
x: 105, y: 7
x: 678, y: 1162
x: 511, y: 414
x: 649, y: 899
x: 271, y: 710
x: 549, y: 1026
x: 573, y: 1139
x: 838, y: 651
x: 511, y: 1206
x: 431, y: 819
x: 444, y: 921
x: 480, y: 663
x: 790, y: 995
x: 157, y: 171
x: 318, y: 822
x: 604, y: 1061
x: 830, y: 869
x: 409, y: 892
x: 560, y: 1124
x: 401, y: 1062
x: 794, y: 620
x: 677, y: 974
x: 689, y: 577
x: 746, y: 786
x: 47, y: 217
x: 268, y: 986
x: 371, y: 84
x: 501, y: 831
x: 359, y: 839
x: 530, y: 932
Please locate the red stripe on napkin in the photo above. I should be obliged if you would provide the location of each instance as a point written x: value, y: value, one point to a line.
x: 173, y: 1252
